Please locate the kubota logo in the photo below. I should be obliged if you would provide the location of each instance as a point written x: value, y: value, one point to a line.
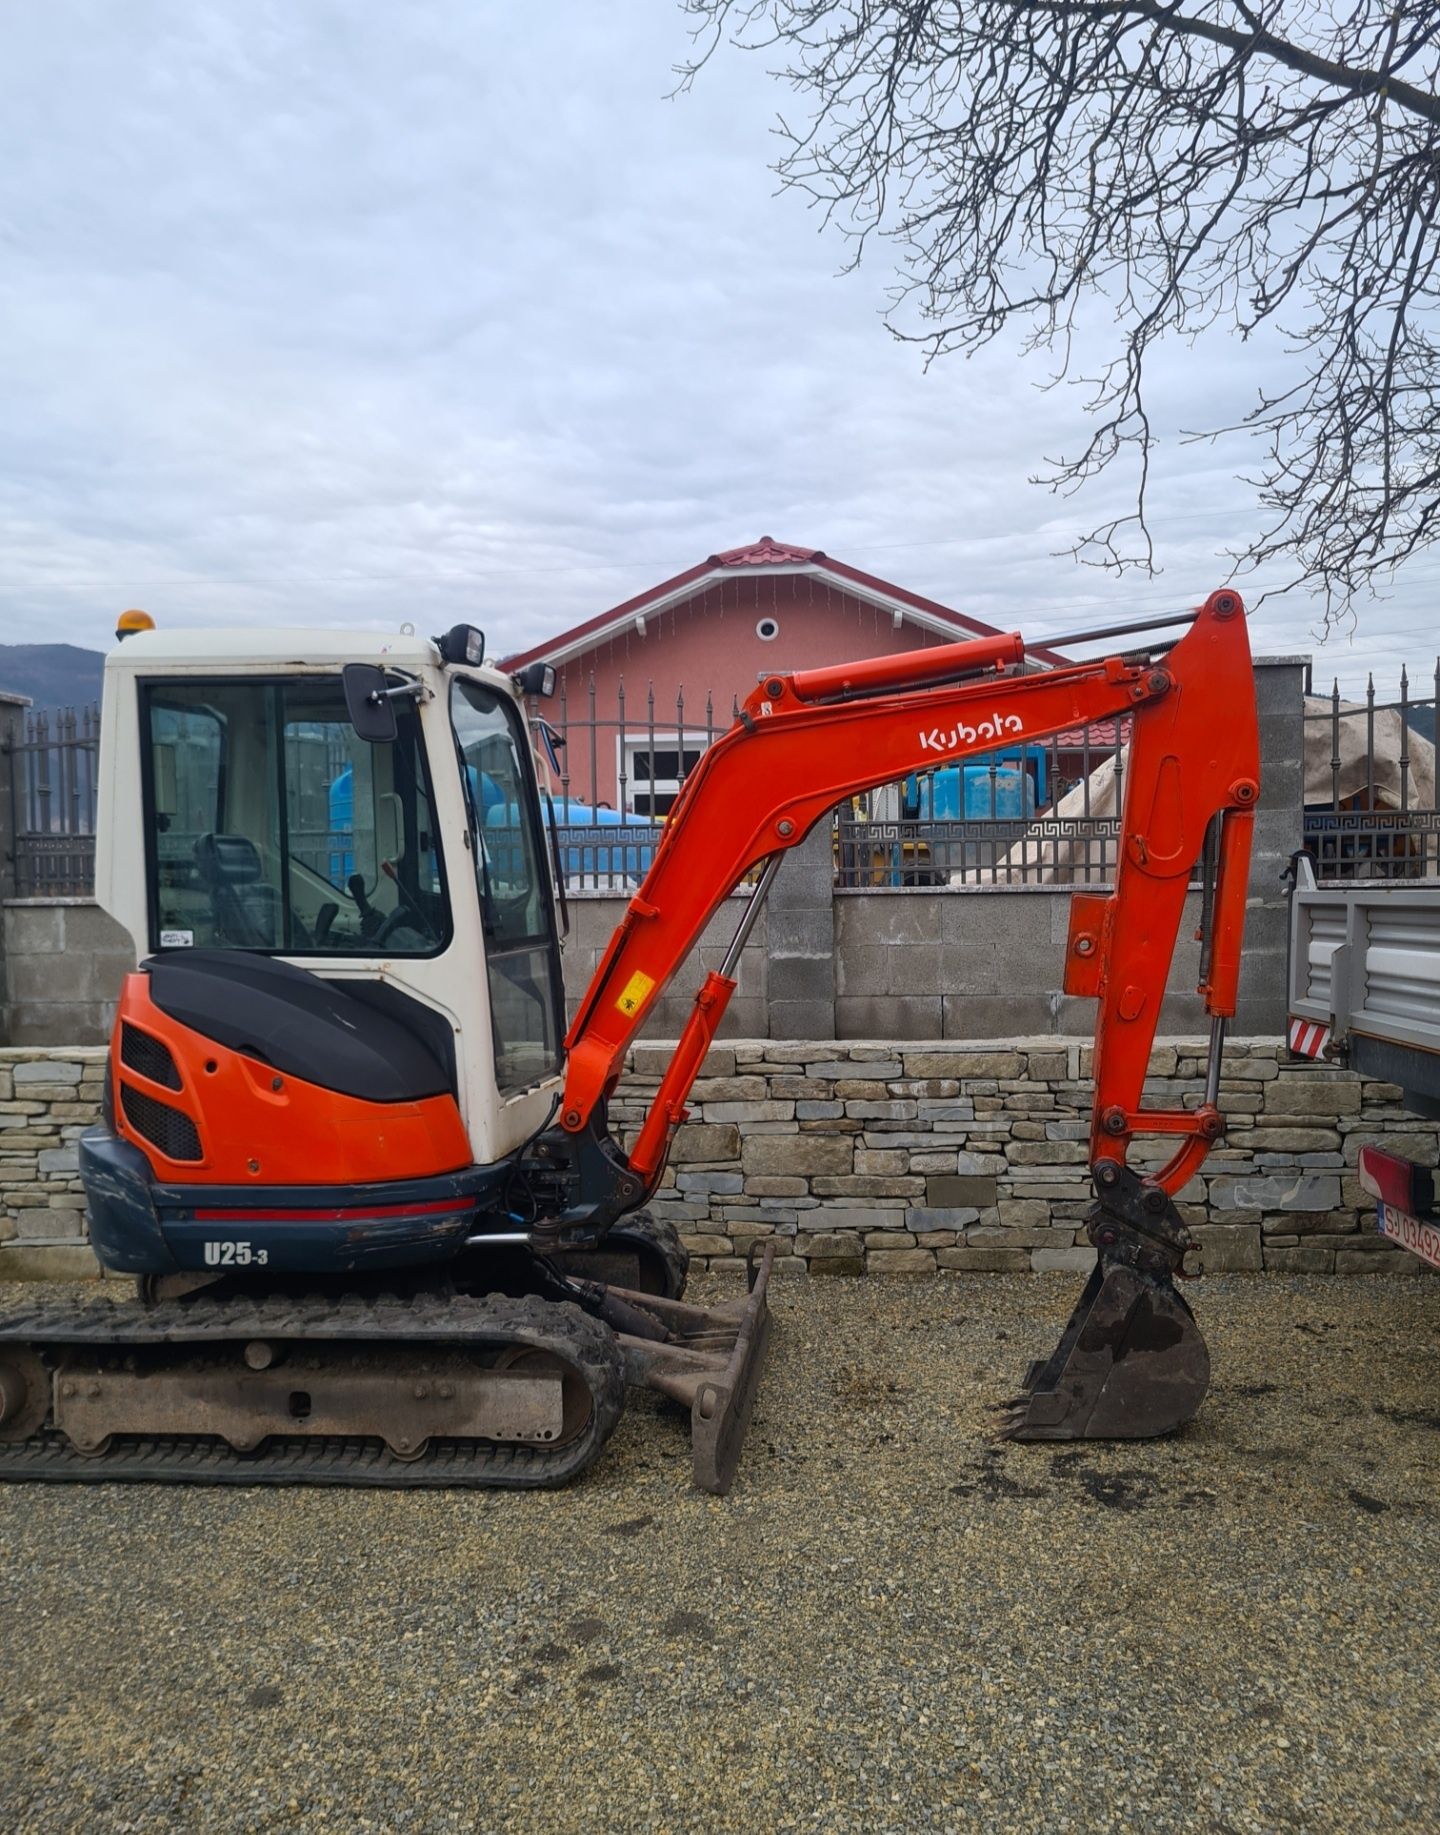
x: 998, y: 726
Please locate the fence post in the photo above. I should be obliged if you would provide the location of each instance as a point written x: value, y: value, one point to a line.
x: 800, y: 941
x: 1279, y: 831
x: 12, y: 734
x: 12, y: 731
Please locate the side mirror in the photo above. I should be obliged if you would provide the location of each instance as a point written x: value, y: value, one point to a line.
x: 371, y: 711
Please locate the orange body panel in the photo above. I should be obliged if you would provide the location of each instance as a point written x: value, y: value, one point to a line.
x: 258, y: 1126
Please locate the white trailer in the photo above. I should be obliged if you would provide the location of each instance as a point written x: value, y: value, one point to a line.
x: 1365, y: 991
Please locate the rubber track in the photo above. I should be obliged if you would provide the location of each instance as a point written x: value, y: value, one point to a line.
x: 664, y: 1240
x: 483, y: 1323
x: 636, y: 1228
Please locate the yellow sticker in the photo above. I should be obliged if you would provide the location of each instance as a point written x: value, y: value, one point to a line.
x: 636, y: 988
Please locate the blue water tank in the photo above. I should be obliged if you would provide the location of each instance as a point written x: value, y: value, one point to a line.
x: 342, y: 823
x: 964, y: 792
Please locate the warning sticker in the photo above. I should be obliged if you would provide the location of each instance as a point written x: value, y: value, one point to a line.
x: 636, y: 988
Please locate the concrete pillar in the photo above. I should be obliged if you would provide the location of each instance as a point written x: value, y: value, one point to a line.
x: 1279, y: 829
x: 12, y: 733
x: 800, y: 941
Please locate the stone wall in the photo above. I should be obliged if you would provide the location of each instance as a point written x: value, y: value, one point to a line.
x: 908, y: 1159
x: 891, y: 1158
x: 47, y: 1098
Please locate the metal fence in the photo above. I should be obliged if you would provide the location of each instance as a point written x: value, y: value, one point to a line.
x: 1045, y: 814
x: 1035, y: 814
x: 615, y: 772
x: 53, y: 784
x: 1027, y: 815
x: 1370, y: 790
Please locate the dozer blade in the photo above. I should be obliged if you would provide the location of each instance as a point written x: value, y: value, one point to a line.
x: 711, y: 1362
x: 1130, y: 1365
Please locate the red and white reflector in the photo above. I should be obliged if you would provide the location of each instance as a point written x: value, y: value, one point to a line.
x: 1308, y: 1038
x: 1398, y: 1183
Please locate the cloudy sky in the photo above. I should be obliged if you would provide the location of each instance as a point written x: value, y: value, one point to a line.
x: 315, y: 312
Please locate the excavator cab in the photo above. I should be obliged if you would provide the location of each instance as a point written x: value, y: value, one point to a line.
x: 349, y: 964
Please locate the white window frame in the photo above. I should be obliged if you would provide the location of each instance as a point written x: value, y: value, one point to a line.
x: 629, y: 745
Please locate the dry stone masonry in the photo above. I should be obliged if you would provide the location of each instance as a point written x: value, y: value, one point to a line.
x: 47, y: 1100
x: 882, y: 1159
x: 906, y: 1159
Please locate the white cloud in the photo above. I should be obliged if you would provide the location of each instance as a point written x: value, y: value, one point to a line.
x: 352, y: 315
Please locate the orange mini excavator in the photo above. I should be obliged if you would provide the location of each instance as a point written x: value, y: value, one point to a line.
x: 381, y: 1230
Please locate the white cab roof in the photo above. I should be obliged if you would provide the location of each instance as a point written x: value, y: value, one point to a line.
x: 284, y: 648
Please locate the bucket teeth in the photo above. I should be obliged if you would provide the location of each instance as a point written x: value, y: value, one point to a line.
x: 1130, y: 1365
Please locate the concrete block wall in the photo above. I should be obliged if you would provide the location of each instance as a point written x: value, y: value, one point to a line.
x: 962, y: 963
x: 63, y: 962
x: 883, y: 1157
x: 592, y: 923
x: 973, y: 964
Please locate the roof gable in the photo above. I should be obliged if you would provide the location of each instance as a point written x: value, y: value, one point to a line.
x: 765, y: 556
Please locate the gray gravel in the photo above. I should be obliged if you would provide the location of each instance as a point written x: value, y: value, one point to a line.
x: 892, y: 1624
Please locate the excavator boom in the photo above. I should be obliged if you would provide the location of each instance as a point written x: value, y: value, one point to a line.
x: 804, y: 742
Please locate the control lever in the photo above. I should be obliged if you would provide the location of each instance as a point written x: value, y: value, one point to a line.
x: 370, y: 918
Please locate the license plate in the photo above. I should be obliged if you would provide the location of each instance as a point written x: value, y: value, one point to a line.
x: 1422, y: 1239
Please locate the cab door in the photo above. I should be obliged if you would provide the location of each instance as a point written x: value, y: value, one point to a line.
x: 512, y: 883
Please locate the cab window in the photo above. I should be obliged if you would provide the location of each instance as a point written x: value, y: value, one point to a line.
x: 522, y: 957
x: 271, y: 826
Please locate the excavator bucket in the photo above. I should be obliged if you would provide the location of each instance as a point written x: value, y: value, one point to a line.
x: 1130, y: 1365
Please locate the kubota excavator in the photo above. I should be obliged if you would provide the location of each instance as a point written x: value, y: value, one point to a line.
x: 381, y: 1231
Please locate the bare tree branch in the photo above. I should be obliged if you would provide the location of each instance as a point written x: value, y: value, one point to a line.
x: 1192, y: 164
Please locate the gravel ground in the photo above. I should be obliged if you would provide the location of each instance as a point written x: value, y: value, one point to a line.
x: 893, y: 1623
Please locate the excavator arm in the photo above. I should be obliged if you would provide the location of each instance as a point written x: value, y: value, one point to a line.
x: 802, y: 743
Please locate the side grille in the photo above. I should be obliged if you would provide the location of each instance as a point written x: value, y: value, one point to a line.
x: 171, y: 1130
x: 147, y: 1057
x: 1327, y: 933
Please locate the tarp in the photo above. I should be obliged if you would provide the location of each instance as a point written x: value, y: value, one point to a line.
x: 1320, y: 751
x: 1040, y: 859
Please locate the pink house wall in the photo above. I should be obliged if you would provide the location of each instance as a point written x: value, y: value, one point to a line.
x: 709, y: 644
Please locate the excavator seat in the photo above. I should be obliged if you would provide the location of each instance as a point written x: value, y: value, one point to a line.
x: 246, y: 909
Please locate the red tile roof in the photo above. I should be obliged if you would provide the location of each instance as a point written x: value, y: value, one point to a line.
x: 767, y: 552
x: 1102, y: 737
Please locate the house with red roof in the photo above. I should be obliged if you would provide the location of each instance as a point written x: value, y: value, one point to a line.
x: 645, y: 686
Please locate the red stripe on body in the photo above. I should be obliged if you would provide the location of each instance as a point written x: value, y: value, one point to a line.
x: 339, y: 1213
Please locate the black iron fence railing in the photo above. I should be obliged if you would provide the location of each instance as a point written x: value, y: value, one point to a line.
x: 53, y: 790
x: 985, y: 851
x: 1370, y: 790
x: 1031, y: 815
x: 1024, y: 815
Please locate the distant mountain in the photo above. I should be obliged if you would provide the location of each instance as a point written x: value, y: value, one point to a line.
x: 53, y: 675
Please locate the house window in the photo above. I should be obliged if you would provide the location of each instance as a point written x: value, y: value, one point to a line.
x: 654, y: 766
